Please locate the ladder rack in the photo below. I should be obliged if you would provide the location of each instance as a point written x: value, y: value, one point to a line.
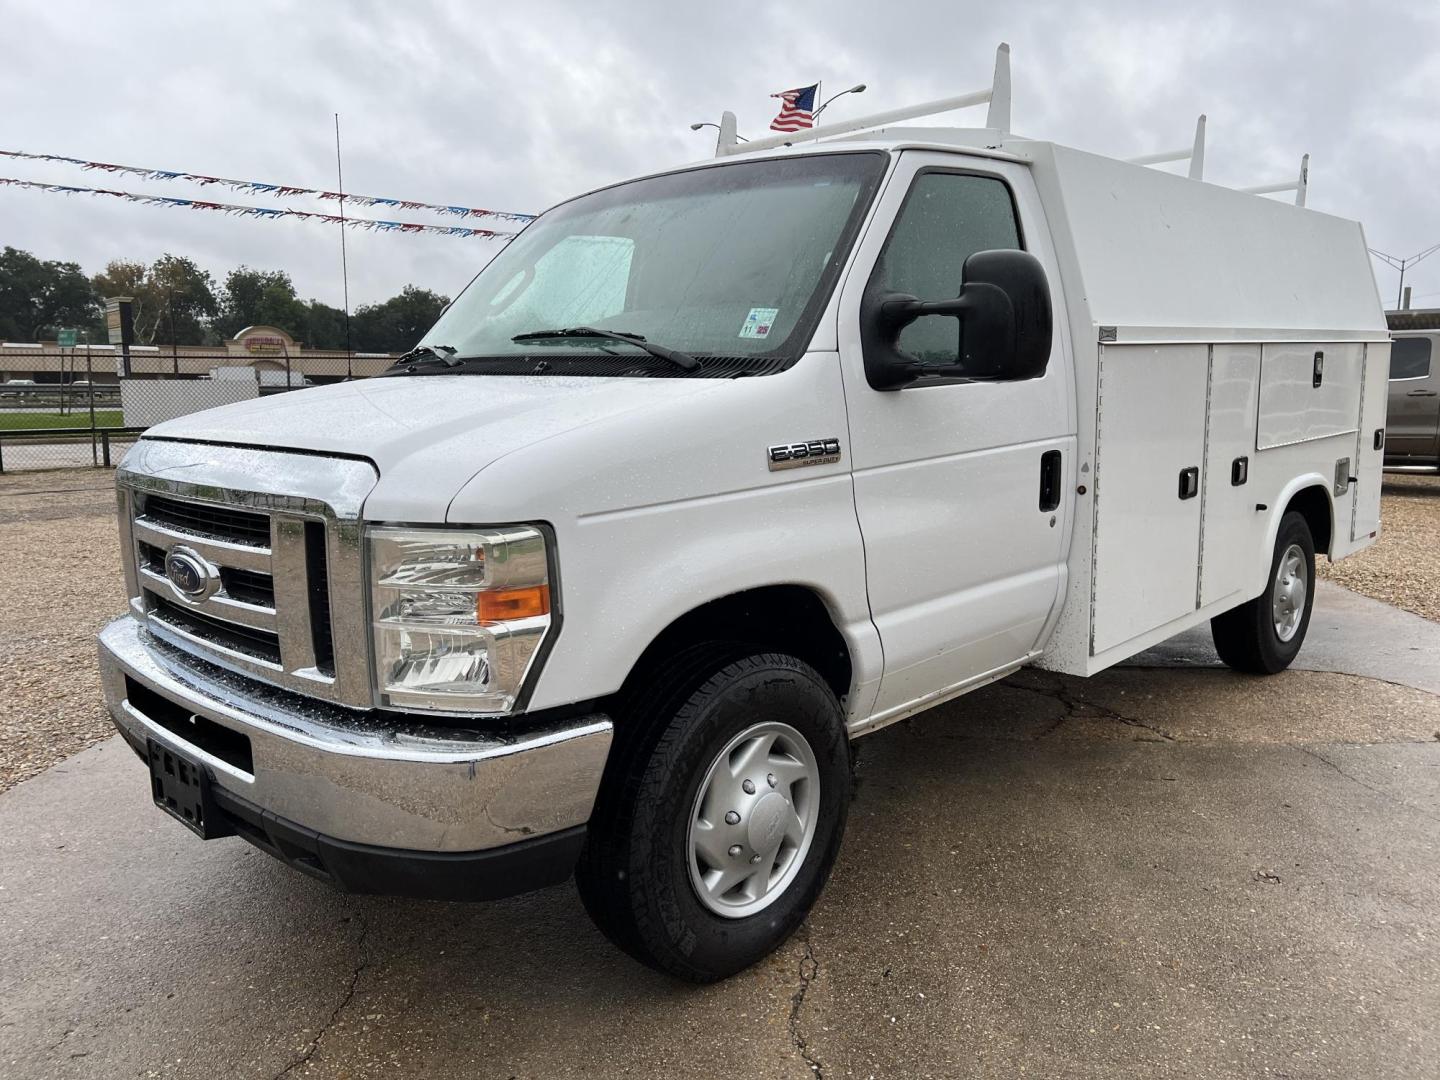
x: 1300, y: 185
x: 998, y: 97
x: 998, y: 120
x: 1195, y: 153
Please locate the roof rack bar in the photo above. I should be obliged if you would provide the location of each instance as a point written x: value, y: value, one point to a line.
x: 998, y: 115
x: 729, y: 137
x: 998, y: 97
x: 1195, y: 153
x: 1160, y: 158
x: 1300, y: 185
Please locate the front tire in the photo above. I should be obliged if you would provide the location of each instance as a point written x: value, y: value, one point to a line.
x: 1264, y: 635
x: 720, y: 818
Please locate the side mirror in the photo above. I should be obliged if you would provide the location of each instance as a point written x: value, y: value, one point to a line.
x: 1005, y: 324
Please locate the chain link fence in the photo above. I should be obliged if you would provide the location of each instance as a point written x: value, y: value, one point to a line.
x: 61, y: 425
x: 62, y: 409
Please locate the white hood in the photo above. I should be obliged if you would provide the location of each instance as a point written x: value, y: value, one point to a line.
x: 427, y: 434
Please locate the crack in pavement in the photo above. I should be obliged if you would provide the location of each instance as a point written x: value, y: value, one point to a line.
x: 809, y: 969
x: 60, y: 1041
x: 1220, y: 669
x: 1387, y: 795
x: 361, y: 963
x: 1081, y: 709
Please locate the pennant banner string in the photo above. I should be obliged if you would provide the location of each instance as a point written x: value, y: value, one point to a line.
x: 256, y: 187
x: 260, y: 211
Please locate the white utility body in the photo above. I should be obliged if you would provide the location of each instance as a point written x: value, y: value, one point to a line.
x: 560, y: 589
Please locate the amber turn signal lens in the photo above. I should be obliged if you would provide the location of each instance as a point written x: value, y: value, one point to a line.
x: 503, y: 605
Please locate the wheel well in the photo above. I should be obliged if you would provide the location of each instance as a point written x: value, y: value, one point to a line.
x: 777, y: 618
x: 1314, y: 506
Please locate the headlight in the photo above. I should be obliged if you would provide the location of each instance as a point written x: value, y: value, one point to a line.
x: 456, y: 615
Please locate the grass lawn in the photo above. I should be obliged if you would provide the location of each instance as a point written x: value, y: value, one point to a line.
x: 15, y: 420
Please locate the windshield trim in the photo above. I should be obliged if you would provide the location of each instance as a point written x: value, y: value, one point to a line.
x: 717, y: 163
x: 797, y: 342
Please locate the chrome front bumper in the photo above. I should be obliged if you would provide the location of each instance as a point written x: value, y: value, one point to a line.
x: 366, y: 778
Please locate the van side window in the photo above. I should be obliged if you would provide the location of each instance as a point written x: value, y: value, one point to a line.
x: 1410, y: 358
x: 947, y: 217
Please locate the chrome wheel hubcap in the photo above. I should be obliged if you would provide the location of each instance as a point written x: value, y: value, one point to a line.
x: 1287, y: 596
x: 753, y: 820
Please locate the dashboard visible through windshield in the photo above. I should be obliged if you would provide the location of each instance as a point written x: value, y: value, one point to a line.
x: 722, y: 262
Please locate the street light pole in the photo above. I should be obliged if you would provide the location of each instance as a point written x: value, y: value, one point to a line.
x: 858, y: 88
x: 707, y: 123
x: 1402, y: 264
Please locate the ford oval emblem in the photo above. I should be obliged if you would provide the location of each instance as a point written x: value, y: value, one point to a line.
x: 188, y: 573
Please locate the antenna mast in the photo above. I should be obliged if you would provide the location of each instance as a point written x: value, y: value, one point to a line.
x: 344, y: 263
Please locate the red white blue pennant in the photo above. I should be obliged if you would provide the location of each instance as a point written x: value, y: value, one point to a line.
x: 257, y: 187
x: 369, y: 224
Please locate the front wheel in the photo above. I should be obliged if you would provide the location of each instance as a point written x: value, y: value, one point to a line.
x: 1264, y: 635
x: 717, y: 830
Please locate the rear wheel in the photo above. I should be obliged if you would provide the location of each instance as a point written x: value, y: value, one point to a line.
x: 720, y: 818
x: 1264, y: 635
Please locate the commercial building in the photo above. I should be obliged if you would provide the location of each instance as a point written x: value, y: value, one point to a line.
x: 276, y: 357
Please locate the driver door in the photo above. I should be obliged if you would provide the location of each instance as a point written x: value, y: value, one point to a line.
x: 965, y: 557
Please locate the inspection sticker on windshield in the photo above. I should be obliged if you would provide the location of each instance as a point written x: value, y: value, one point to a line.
x: 759, y: 322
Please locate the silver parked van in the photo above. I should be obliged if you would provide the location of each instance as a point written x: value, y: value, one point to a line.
x: 1412, y: 434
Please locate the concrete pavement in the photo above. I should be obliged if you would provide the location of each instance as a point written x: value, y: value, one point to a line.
x: 1164, y: 871
x: 1348, y: 633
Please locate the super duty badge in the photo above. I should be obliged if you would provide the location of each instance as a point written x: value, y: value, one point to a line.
x: 810, y: 452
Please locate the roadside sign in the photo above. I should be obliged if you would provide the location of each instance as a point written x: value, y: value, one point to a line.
x: 117, y: 320
x: 66, y: 339
x: 120, y: 329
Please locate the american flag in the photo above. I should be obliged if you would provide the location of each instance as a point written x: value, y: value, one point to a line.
x: 797, y: 109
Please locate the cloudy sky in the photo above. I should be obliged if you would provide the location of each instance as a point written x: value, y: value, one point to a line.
x: 516, y: 106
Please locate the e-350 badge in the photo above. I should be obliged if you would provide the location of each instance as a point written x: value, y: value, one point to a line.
x: 810, y: 452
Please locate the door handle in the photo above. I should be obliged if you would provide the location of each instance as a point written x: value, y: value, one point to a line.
x: 1189, y: 482
x: 1049, y: 481
x: 1422, y: 393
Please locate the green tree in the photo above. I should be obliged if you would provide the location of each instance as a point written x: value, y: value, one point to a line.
x: 185, y: 301
x: 173, y: 298
x: 324, y: 326
x: 253, y: 297
x: 124, y: 277
x: 398, y: 323
x: 37, y: 297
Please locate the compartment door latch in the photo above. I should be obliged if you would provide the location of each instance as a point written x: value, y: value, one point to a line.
x: 1190, y: 482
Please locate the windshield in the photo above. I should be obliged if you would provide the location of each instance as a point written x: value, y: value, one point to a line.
x: 728, y: 261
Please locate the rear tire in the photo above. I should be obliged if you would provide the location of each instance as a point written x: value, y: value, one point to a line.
x: 1264, y: 635
x: 720, y: 816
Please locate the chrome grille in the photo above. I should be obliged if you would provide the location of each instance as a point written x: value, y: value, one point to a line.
x: 237, y: 637
x: 248, y: 587
x: 210, y: 521
x: 282, y: 595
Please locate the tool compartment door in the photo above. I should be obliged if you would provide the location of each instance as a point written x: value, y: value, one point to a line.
x: 1308, y: 391
x: 1370, y: 445
x: 1149, y: 459
x: 1233, y: 530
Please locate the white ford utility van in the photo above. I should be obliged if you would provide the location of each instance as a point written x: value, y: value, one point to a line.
x: 712, y: 471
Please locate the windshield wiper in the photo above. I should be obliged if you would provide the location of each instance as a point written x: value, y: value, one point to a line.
x: 684, y: 361
x: 427, y: 353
